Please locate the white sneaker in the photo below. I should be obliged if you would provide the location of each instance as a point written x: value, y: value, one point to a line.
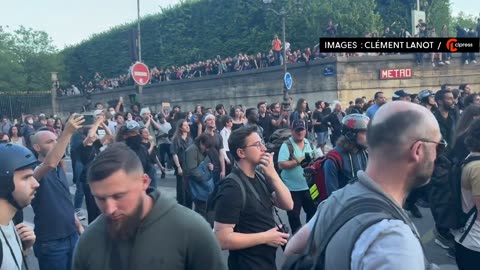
x: 441, y: 63
x: 474, y: 61
x: 433, y: 64
x: 466, y: 62
x: 447, y: 62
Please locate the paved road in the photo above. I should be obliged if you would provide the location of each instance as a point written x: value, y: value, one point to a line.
x: 424, y: 225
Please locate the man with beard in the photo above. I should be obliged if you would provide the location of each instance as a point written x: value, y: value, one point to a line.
x: 403, y: 140
x: 279, y: 118
x: 17, y: 189
x: 446, y: 114
x: 351, y: 146
x: 56, y: 224
x: 140, y: 228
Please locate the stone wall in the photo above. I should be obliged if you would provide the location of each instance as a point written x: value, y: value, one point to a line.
x: 355, y: 77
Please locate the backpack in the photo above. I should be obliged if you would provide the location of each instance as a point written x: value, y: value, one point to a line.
x: 316, y: 177
x: 446, y: 187
x: 314, y: 255
x: 276, y: 140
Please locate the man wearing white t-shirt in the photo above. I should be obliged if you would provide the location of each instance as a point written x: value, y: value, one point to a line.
x: 403, y: 140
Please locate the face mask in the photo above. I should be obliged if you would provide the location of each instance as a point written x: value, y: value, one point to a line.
x: 134, y: 141
x: 30, y: 121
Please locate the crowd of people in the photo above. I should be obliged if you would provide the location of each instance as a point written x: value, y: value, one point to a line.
x: 225, y: 173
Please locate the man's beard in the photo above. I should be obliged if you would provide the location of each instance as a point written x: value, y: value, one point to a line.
x: 126, y: 227
x: 424, y: 173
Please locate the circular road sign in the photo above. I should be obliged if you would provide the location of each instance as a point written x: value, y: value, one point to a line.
x: 287, y: 79
x: 140, y: 73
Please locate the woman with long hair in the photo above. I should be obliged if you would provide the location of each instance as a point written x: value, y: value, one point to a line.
x: 238, y: 118
x: 14, y: 136
x: 460, y: 150
x: 180, y: 141
x: 300, y: 111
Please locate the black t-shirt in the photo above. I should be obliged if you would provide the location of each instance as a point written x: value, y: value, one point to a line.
x: 265, y: 123
x: 87, y: 154
x: 214, y: 152
x: 317, y: 115
x: 256, y: 217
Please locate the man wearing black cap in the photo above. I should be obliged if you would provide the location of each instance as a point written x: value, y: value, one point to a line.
x: 401, y: 95
x: 17, y: 189
x: 292, y: 152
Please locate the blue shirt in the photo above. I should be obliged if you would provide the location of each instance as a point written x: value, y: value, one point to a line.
x: 53, y: 207
x: 372, y: 110
x: 293, y: 178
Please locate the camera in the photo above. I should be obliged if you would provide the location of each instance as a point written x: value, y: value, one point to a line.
x: 284, y: 228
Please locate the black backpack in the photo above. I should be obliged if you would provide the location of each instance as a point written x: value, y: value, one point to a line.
x: 276, y: 140
x: 314, y: 255
x: 447, y: 196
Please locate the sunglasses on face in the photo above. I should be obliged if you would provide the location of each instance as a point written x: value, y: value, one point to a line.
x: 441, y: 145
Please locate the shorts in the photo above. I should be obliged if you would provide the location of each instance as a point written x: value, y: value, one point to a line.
x: 322, y: 137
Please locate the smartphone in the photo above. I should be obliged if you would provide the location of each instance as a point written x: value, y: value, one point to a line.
x: 89, y: 119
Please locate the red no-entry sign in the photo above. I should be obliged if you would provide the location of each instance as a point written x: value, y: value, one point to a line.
x: 140, y: 73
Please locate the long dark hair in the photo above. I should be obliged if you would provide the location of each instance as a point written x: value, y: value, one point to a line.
x: 299, y: 105
x: 178, y: 130
x: 466, y: 120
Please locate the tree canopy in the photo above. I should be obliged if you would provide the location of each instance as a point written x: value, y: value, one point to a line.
x: 197, y: 30
x: 27, y: 57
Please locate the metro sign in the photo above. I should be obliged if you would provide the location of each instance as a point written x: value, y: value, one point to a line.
x: 397, y: 73
x: 140, y: 74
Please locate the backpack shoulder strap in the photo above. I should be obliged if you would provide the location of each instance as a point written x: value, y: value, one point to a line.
x: 470, y: 159
x: 381, y: 209
x: 336, y: 157
x: 291, y: 151
x: 473, y: 212
x: 1, y: 253
x: 239, y: 182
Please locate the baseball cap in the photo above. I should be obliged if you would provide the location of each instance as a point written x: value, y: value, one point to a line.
x: 132, y: 125
x: 298, y: 125
x: 400, y: 93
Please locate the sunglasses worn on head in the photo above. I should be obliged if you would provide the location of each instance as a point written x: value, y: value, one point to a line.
x: 441, y: 145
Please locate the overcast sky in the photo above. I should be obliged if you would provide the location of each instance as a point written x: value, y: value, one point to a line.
x: 69, y: 22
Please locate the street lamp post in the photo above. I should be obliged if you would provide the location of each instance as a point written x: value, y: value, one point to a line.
x: 283, y: 14
x: 140, y: 88
x: 54, y: 79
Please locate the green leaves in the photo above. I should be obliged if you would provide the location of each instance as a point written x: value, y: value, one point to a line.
x: 27, y: 57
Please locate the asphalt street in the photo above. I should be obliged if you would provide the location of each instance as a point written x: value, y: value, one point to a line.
x: 424, y: 225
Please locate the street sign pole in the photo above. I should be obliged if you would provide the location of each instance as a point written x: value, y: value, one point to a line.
x: 140, y: 87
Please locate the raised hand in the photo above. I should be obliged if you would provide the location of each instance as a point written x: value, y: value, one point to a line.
x: 74, y: 123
